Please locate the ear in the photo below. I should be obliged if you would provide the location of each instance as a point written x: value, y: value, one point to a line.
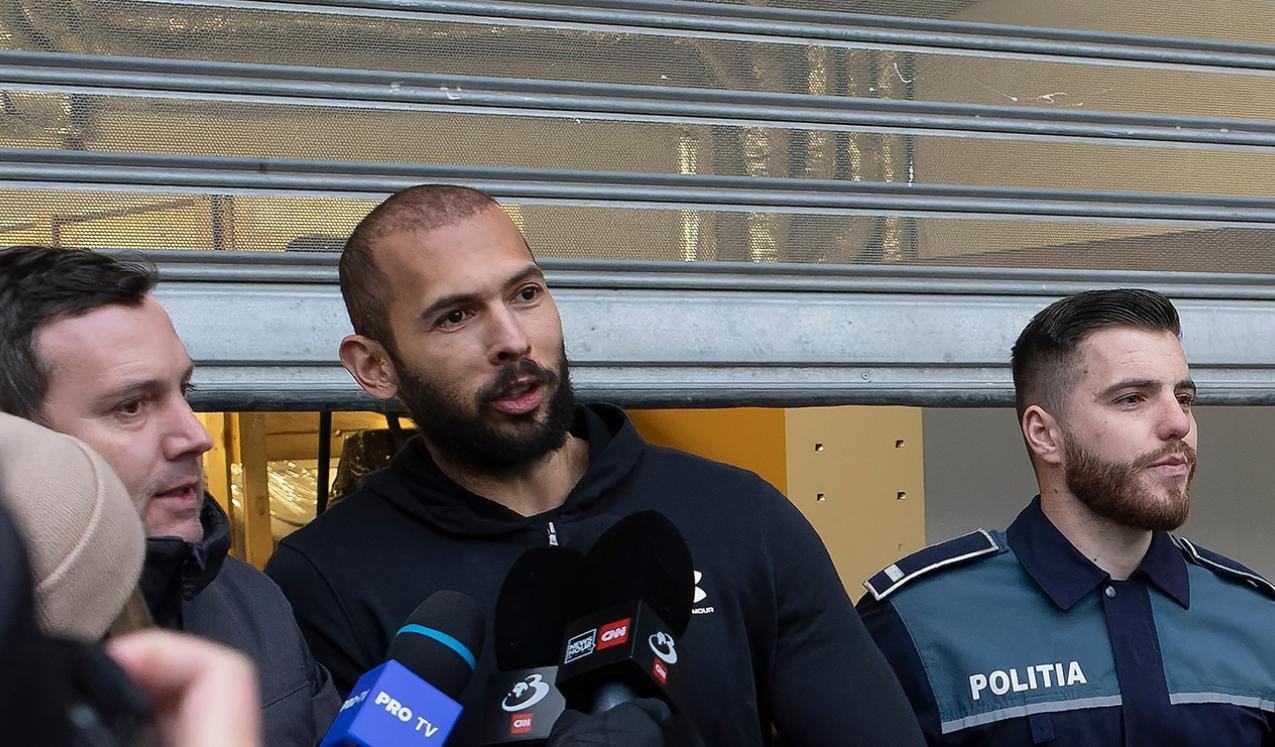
x: 370, y: 365
x: 1043, y: 435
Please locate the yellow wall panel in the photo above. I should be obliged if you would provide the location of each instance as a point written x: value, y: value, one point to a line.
x: 858, y: 475
x: 748, y: 437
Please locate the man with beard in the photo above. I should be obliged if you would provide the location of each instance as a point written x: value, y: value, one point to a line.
x: 453, y: 317
x: 1086, y: 622
x: 85, y: 349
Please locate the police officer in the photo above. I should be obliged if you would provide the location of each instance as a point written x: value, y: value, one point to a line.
x: 1086, y: 622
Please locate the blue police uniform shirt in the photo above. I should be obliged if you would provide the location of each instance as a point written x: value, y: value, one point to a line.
x: 1017, y: 638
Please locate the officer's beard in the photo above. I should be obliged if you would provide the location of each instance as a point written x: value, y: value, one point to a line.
x: 1117, y: 490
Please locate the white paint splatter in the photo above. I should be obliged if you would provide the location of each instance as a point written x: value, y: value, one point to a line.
x: 993, y: 90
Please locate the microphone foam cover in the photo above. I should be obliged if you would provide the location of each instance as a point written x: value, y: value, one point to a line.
x: 535, y: 607
x: 440, y: 640
x: 641, y: 556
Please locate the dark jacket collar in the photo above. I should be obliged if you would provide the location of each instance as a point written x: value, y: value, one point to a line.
x: 415, y: 484
x: 1066, y: 575
x: 176, y: 569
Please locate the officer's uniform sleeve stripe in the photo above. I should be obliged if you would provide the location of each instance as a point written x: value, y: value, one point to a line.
x: 1224, y: 566
x: 1262, y: 704
x: 953, y: 551
x: 1076, y: 704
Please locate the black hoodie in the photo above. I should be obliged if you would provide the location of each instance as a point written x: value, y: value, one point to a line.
x: 774, y: 638
x: 197, y: 588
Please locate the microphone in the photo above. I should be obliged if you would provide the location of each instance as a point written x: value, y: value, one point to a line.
x: 411, y: 698
x: 636, y: 588
x: 533, y: 609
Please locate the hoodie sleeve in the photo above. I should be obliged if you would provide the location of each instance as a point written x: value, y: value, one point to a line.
x: 830, y: 684
x: 320, y: 615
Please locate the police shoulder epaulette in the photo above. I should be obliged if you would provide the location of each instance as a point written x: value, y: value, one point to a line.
x: 949, y: 553
x: 1223, y: 566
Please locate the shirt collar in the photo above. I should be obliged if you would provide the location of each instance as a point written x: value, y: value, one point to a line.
x: 1166, y: 568
x: 1066, y: 575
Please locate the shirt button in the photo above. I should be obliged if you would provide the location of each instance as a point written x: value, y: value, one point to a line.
x: 1110, y: 592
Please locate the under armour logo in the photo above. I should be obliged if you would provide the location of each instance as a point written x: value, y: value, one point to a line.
x: 700, y: 595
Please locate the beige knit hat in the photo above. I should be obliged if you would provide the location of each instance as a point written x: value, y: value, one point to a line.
x: 82, y: 531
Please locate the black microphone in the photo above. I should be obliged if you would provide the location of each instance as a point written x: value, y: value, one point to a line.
x: 523, y: 702
x: 634, y: 602
x: 411, y: 698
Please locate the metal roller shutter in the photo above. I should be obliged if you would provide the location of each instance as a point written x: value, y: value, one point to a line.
x: 741, y: 202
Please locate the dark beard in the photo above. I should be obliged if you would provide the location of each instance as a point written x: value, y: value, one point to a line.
x: 1111, y: 489
x: 465, y: 438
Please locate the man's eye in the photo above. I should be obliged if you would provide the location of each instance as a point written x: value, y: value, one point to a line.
x: 453, y: 318
x: 1186, y: 400
x: 130, y: 408
x: 1130, y: 399
x: 529, y: 293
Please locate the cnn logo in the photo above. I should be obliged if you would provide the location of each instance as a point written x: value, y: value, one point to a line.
x: 613, y: 634
x: 520, y: 723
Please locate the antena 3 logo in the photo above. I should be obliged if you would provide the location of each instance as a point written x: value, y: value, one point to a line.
x: 525, y: 694
x: 614, y: 634
x: 664, y: 647
x: 580, y: 646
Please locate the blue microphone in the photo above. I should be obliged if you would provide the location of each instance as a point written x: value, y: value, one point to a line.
x: 411, y: 698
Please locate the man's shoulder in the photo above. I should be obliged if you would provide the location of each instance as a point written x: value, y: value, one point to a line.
x: 244, y: 608
x: 357, y: 514
x: 243, y: 582
x: 1227, y: 573
x: 364, y: 531
x: 959, y: 556
x: 693, y: 468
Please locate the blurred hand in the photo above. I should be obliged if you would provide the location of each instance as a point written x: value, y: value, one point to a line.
x: 205, y: 695
x: 637, y: 723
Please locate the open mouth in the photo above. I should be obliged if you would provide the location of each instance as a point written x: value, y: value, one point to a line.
x: 187, y: 492
x: 521, y: 397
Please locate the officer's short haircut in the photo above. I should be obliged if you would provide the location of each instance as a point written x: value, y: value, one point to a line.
x: 41, y: 284
x: 1043, y: 358
x: 420, y: 208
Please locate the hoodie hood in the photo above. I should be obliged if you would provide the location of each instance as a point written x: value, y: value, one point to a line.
x: 415, y: 484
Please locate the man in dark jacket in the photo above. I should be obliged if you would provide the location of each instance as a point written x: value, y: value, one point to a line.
x: 452, y: 316
x: 86, y: 350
